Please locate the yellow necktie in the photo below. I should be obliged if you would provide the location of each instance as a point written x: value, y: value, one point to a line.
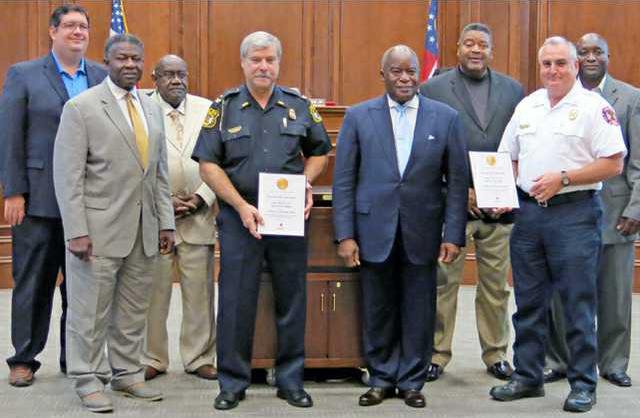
x: 142, y: 140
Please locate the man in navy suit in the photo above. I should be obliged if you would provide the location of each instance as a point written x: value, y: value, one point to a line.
x: 401, y: 173
x: 32, y: 99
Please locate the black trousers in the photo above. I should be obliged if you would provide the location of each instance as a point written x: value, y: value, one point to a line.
x: 399, y: 304
x: 38, y: 255
x: 241, y: 261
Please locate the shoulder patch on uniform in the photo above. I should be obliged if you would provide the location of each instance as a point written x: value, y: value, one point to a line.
x: 315, y: 115
x: 211, y: 119
x: 609, y: 116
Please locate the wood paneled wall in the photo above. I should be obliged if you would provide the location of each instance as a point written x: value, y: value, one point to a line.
x: 331, y: 48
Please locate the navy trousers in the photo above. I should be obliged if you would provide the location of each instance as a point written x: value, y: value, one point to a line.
x: 398, y: 304
x: 556, y: 248
x: 38, y: 254
x: 241, y: 261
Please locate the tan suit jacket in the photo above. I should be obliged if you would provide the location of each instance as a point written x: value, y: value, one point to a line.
x: 184, y: 175
x: 101, y: 186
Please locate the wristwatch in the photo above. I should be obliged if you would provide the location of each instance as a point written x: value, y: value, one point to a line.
x: 564, y: 178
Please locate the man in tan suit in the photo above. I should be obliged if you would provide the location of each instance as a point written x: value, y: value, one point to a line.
x: 112, y: 186
x: 193, y: 205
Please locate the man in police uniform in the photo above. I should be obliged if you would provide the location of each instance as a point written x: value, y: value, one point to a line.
x: 259, y: 127
x: 563, y: 140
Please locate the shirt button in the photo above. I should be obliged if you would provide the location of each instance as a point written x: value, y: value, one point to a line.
x: 138, y: 203
x: 265, y: 131
x: 265, y: 150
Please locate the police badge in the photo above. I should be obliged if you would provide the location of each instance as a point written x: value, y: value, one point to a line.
x: 315, y: 115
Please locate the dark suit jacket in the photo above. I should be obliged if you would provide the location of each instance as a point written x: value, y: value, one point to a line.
x: 30, y: 109
x: 370, y: 197
x: 621, y: 194
x: 504, y: 95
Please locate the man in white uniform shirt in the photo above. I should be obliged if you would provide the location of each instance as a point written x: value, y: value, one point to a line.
x: 192, y: 259
x: 563, y: 140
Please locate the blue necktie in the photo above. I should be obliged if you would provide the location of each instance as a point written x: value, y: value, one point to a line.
x: 404, y: 138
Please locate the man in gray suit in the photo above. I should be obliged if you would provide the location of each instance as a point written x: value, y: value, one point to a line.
x: 621, y: 204
x: 32, y: 99
x: 112, y: 185
x: 485, y: 100
x: 194, y: 204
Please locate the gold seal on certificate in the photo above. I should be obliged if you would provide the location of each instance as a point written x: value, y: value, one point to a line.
x: 493, y: 180
x: 281, y: 200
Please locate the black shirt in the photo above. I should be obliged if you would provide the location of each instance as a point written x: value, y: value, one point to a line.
x: 245, y: 140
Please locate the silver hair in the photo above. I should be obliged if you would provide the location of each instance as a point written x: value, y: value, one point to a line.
x: 260, y: 40
x: 397, y: 48
x: 559, y: 40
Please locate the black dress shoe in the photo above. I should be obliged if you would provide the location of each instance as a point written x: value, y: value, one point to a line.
x: 296, y: 397
x: 551, y: 375
x: 618, y: 378
x: 434, y: 372
x: 63, y: 367
x: 501, y: 370
x: 515, y: 390
x: 228, y: 400
x: 413, y: 398
x: 580, y: 401
x: 375, y: 396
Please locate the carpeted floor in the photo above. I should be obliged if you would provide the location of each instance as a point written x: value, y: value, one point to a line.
x: 462, y: 390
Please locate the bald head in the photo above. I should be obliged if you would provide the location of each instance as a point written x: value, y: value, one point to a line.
x: 398, y: 52
x: 593, y: 57
x: 171, y: 78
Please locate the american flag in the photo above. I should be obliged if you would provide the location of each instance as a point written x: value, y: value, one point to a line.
x: 118, y: 21
x: 430, y: 56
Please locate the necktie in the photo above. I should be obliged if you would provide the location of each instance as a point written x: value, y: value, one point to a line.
x: 142, y: 140
x: 404, y: 138
x: 177, y: 124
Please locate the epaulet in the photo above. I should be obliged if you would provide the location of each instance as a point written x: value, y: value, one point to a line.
x: 230, y: 92
x: 291, y: 91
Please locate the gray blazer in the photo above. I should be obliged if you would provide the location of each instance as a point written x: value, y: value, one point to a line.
x: 621, y: 194
x: 102, y: 189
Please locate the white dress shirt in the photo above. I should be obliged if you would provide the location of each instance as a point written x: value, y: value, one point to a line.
x: 119, y: 93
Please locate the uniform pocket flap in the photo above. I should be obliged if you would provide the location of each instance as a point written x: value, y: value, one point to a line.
x: 35, y: 163
x: 294, y: 129
x: 235, y: 134
x: 96, y: 202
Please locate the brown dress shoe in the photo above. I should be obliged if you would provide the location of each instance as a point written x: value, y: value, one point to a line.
x: 413, y: 398
x: 20, y: 375
x: 376, y: 395
x: 151, y: 372
x: 206, y: 371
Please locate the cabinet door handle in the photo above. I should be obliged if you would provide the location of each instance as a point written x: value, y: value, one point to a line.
x: 333, y: 297
x: 321, y: 302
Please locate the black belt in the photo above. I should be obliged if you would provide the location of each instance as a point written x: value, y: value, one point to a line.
x: 559, y: 199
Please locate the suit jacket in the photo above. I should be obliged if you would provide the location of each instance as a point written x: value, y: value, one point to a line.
x: 30, y: 108
x: 101, y: 186
x: 621, y: 194
x: 370, y: 197
x: 184, y: 173
x: 504, y: 95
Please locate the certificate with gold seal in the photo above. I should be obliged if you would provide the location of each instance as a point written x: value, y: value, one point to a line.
x: 281, y: 200
x: 493, y: 180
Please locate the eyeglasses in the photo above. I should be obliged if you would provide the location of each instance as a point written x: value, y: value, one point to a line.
x: 170, y: 75
x: 73, y: 25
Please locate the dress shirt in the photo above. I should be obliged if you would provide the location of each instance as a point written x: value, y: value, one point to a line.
x: 74, y: 84
x: 120, y: 94
x: 411, y: 115
x: 575, y: 132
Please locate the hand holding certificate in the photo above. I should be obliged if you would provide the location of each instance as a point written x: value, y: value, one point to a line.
x: 281, y: 202
x: 493, y: 179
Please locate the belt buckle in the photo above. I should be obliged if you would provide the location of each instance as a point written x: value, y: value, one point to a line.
x: 542, y: 203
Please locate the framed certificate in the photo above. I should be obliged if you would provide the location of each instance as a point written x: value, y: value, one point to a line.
x: 493, y: 180
x: 281, y: 201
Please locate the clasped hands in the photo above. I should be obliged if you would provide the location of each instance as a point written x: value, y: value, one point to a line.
x: 185, y: 205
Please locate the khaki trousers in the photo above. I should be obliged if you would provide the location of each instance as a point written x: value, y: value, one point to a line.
x: 194, y: 266
x: 491, y: 242
x: 108, y: 300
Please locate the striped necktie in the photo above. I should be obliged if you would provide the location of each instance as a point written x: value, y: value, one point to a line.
x: 142, y: 140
